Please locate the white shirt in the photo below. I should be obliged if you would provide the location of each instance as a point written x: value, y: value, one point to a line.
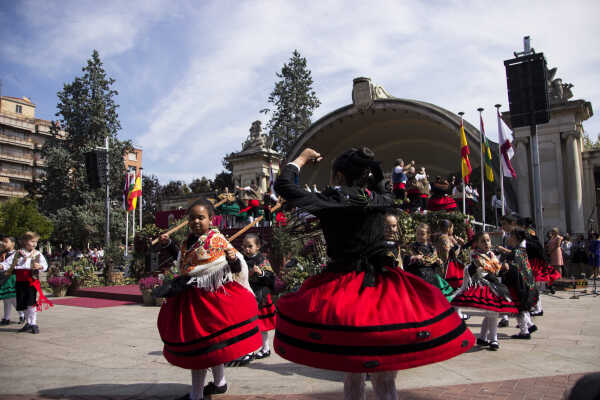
x: 24, y: 261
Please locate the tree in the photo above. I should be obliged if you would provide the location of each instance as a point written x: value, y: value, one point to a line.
x: 172, y: 189
x: 201, y: 185
x: 151, y: 198
x: 87, y: 113
x: 18, y: 216
x: 223, y: 180
x: 589, y: 143
x: 294, y: 101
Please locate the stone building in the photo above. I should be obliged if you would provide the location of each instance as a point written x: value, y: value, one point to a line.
x: 256, y: 162
x: 22, y: 136
x: 133, y: 161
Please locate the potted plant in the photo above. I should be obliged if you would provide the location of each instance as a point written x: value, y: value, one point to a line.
x: 146, y: 285
x: 59, y: 285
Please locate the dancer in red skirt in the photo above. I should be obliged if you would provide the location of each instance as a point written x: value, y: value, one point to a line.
x: 481, y: 289
x: 262, y: 281
x: 361, y: 314
x: 210, y: 316
x: 439, y: 200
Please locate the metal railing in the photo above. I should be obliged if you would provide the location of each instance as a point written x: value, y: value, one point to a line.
x: 10, y: 157
x: 14, y: 140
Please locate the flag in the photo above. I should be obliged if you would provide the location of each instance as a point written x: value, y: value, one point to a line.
x: 487, y: 154
x: 465, y: 164
x: 506, y: 150
x: 126, y: 193
x: 272, y: 182
x: 135, y: 191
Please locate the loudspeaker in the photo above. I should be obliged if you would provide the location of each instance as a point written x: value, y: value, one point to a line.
x: 91, y: 168
x: 527, y: 83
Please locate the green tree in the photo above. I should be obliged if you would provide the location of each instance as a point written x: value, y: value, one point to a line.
x: 589, y: 143
x: 294, y: 101
x: 172, y: 189
x: 201, y: 185
x: 151, y: 198
x: 223, y: 180
x: 87, y: 114
x: 18, y: 216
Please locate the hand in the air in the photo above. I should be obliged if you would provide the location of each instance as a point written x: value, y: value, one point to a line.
x: 230, y: 254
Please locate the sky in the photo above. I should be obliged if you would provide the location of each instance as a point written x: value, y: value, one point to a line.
x: 193, y: 75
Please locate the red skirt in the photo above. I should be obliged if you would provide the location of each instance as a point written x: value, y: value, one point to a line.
x: 455, y: 272
x: 402, y: 322
x: 481, y: 296
x: 266, y: 314
x: 201, y: 329
x: 542, y: 271
x: 399, y: 185
x: 445, y: 203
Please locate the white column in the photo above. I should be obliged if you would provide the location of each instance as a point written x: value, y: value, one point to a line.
x: 574, y: 193
x: 521, y: 164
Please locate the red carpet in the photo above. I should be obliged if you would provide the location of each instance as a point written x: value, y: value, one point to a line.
x: 90, y: 302
x: 129, y: 293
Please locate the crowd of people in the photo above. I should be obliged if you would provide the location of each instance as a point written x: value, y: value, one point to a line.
x: 375, y: 308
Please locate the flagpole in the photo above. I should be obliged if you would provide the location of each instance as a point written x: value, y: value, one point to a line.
x: 482, y: 169
x: 126, y: 231
x: 141, y: 193
x: 464, y: 195
x: 500, y: 159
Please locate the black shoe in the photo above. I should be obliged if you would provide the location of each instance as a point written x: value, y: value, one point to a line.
x: 184, y: 397
x: 5, y: 322
x: 21, y: 320
x: 35, y: 329
x: 25, y: 328
x: 494, y: 346
x: 481, y: 342
x: 211, y: 389
x: 503, y: 323
x: 532, y: 328
x: 262, y: 354
x: 526, y: 336
x: 538, y: 314
x: 240, y: 362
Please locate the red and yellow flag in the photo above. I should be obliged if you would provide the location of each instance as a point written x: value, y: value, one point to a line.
x: 465, y: 164
x: 135, y: 191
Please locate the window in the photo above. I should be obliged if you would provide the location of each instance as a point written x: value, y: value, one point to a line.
x: 132, y: 157
x: 131, y: 170
x: 19, y: 109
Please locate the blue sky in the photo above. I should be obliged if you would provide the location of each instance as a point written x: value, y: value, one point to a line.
x: 193, y: 75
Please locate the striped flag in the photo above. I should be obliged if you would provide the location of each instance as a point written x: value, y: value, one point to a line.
x: 135, y: 191
x: 506, y: 150
x: 126, y: 193
x: 487, y: 154
x: 465, y: 163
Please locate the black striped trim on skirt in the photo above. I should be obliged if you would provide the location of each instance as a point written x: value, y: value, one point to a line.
x: 216, y: 346
x: 371, y: 328
x: 270, y: 315
x: 372, y: 350
x: 213, y: 335
x: 265, y: 305
x: 478, y: 300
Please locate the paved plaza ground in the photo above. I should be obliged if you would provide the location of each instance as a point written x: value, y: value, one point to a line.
x: 115, y: 352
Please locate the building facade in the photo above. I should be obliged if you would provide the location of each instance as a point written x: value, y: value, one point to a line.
x: 22, y: 136
x: 133, y: 161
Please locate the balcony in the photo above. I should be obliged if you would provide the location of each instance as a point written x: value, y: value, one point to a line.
x: 6, y: 192
x: 17, y: 159
x: 19, y: 123
x: 16, y: 141
x: 27, y: 176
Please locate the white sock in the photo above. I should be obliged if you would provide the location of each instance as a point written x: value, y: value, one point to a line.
x: 8, y: 305
x: 354, y: 386
x: 21, y: 314
x: 505, y: 317
x: 219, y: 374
x: 492, y: 326
x: 522, y: 319
x: 198, y: 377
x: 384, y: 385
x: 484, y: 329
x: 265, y: 342
x: 528, y: 319
x: 31, y: 315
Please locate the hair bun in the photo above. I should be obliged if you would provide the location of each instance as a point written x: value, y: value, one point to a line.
x: 366, y: 153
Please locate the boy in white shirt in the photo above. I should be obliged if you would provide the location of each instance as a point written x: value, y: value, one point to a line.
x: 27, y: 263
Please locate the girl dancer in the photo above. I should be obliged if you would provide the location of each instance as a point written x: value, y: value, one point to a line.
x: 482, y: 289
x: 262, y: 281
x: 210, y: 316
x: 26, y: 264
x: 361, y: 314
x: 520, y: 282
x: 422, y: 260
x: 7, y: 288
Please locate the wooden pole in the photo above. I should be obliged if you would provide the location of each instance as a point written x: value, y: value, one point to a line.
x: 251, y: 224
x: 184, y: 223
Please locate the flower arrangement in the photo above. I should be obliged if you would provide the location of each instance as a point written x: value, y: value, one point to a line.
x: 59, y: 282
x: 149, y: 283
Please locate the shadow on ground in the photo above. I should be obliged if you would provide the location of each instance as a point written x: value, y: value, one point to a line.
x: 149, y: 391
x: 289, y: 369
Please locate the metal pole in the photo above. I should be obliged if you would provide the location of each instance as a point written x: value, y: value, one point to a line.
x: 464, y: 196
x: 535, y: 161
x: 126, y: 231
x: 141, y: 194
x: 500, y: 159
x: 107, y: 237
x: 482, y: 170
